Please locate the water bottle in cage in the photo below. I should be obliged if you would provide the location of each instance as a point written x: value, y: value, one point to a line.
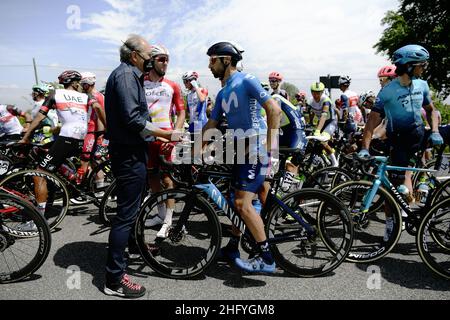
x: 423, y: 189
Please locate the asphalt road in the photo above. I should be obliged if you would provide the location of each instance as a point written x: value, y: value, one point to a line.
x: 80, y: 245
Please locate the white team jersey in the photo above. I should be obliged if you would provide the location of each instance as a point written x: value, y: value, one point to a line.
x: 317, y: 107
x: 9, y: 124
x: 162, y: 97
x: 73, y: 110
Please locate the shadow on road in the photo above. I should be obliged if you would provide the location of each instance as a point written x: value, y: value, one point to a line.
x: 89, y: 256
x: 409, y: 274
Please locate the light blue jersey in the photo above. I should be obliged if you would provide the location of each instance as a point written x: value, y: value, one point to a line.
x: 241, y: 99
x: 402, y: 105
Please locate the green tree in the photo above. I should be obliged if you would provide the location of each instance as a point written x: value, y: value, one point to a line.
x: 291, y: 90
x: 426, y: 23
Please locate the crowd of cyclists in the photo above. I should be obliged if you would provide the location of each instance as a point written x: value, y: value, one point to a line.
x: 71, y: 122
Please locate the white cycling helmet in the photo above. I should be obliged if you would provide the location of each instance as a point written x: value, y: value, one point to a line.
x: 158, y: 50
x: 190, y: 75
x: 365, y: 96
x: 88, y: 78
x: 345, y: 80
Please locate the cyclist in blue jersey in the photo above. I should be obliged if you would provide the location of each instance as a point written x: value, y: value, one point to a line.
x: 240, y: 100
x: 292, y: 135
x: 401, y: 101
x: 197, y: 98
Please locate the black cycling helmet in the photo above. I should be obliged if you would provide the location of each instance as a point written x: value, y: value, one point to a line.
x: 225, y: 49
x: 69, y: 76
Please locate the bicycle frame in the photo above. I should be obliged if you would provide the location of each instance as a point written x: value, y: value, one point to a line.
x: 382, y: 179
x: 217, y: 197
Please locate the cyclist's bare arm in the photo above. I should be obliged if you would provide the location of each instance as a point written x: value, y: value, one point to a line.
x: 373, y: 122
x: 431, y: 110
x: 34, y: 124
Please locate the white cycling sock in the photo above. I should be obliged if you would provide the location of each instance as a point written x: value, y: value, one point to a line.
x: 334, y: 161
x: 168, y: 218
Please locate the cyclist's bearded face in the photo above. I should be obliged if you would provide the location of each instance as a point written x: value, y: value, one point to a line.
x: 217, y: 67
x: 160, y: 64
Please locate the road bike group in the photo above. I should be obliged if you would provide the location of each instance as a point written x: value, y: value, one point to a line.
x: 329, y: 196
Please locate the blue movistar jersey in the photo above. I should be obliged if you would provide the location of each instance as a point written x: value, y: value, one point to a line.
x: 402, y: 105
x: 240, y: 100
x: 291, y: 115
x: 292, y: 127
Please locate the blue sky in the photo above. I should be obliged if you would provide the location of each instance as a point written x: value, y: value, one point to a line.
x: 301, y: 39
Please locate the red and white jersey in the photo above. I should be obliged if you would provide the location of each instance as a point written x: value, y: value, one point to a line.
x: 73, y: 110
x: 163, y: 97
x: 353, y: 108
x: 92, y: 124
x: 9, y: 124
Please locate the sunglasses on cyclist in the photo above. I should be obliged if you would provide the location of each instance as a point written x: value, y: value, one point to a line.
x: 213, y: 59
x: 162, y: 59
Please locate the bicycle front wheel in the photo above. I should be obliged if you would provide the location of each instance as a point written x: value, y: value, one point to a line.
x: 371, y: 241
x: 433, y: 239
x: 193, y: 239
x: 310, y: 255
x: 21, y: 252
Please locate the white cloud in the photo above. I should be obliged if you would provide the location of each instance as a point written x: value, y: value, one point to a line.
x: 301, y: 39
x: 126, y: 17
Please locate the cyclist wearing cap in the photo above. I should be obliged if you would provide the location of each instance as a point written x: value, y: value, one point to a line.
x: 10, y: 127
x: 162, y: 95
x: 322, y: 108
x: 240, y: 100
x: 401, y: 101
x: 196, y: 101
x: 275, y: 79
x: 386, y: 75
x: 72, y: 108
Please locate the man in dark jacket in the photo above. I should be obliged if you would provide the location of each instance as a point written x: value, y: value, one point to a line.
x: 128, y: 128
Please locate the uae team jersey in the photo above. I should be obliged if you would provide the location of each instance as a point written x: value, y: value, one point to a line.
x: 162, y: 98
x: 402, y: 105
x: 73, y: 109
x: 240, y: 100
